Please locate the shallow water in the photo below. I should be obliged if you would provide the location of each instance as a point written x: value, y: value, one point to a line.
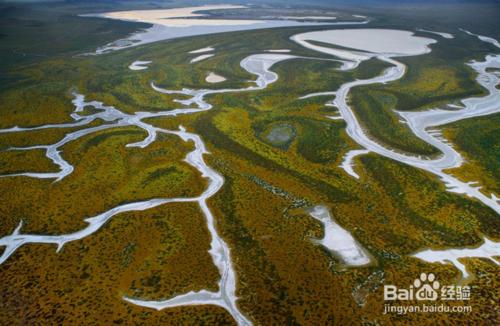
x: 489, y: 249
x: 164, y: 31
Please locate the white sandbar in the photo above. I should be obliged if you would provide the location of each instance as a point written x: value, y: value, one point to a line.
x: 348, y: 162
x: 488, y: 249
x: 338, y: 240
x: 214, y: 78
x: 139, y: 65
x: 443, y: 35
x: 483, y: 38
x: 333, y: 93
x: 308, y: 17
x: 182, y: 22
x: 278, y: 50
x: 201, y: 57
x: 178, y: 17
x: 372, y: 40
x: 202, y: 50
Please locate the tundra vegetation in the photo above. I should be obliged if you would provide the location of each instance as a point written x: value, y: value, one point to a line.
x: 256, y: 140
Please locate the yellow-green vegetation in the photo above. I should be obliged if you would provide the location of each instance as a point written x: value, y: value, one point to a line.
x: 152, y: 254
x: 438, y: 78
x: 477, y: 140
x: 282, y: 268
x: 375, y: 110
x: 283, y: 277
x: 101, y: 162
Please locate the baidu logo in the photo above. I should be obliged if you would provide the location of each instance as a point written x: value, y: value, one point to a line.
x: 426, y: 288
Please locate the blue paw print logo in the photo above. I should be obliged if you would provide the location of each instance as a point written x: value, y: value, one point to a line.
x: 426, y: 287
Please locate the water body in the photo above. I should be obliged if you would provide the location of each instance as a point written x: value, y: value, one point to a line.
x: 489, y: 249
x: 281, y: 134
x: 176, y: 23
x: 369, y: 41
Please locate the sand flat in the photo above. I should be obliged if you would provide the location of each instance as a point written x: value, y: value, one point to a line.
x: 183, y: 22
x: 373, y: 40
x: 338, y: 240
x: 348, y: 161
x: 489, y: 250
x: 139, y: 65
x: 278, y: 50
x: 443, y: 35
x: 309, y: 17
x: 179, y: 17
x: 201, y: 57
x: 214, y: 78
x: 202, y: 50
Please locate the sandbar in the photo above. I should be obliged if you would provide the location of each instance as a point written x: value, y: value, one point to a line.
x: 201, y: 57
x: 214, y: 78
x: 178, y: 17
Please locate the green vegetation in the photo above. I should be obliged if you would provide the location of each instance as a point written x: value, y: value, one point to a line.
x: 375, y: 111
x: 33, y: 33
x: 477, y: 139
x: 431, y: 80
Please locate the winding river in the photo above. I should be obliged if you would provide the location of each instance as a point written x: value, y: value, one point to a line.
x: 225, y: 297
x: 424, y: 124
x: 259, y: 65
x: 421, y: 123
